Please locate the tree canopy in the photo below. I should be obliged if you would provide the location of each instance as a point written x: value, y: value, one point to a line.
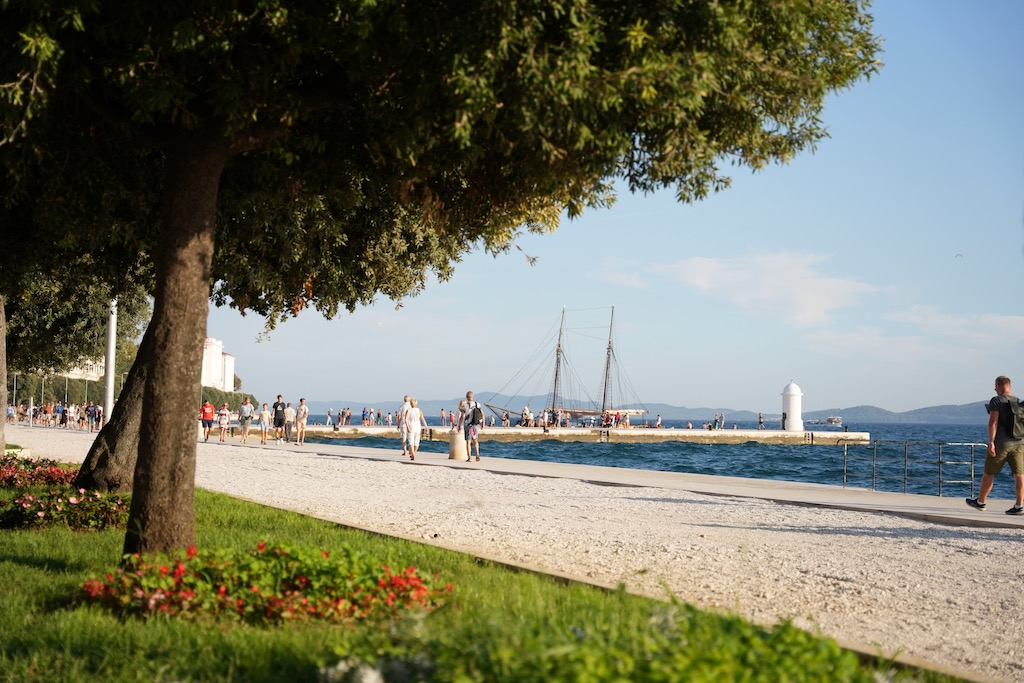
x: 386, y: 138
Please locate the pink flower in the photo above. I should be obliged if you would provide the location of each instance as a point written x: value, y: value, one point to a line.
x: 40, y: 514
x: 72, y: 500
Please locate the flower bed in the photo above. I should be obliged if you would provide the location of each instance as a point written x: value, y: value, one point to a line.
x: 264, y: 586
x: 16, y: 472
x: 75, y: 510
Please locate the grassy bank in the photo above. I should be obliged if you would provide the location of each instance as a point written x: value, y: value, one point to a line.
x: 496, y: 625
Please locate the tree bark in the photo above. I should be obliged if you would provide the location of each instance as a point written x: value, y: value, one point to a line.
x: 162, y: 514
x: 110, y: 465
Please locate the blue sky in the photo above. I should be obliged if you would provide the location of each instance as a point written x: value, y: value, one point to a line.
x: 886, y: 268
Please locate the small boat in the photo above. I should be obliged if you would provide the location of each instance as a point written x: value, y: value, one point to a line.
x: 834, y: 421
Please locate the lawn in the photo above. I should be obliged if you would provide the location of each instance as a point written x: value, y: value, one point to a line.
x: 494, y: 624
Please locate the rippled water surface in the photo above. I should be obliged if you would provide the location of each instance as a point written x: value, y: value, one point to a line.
x: 914, y: 461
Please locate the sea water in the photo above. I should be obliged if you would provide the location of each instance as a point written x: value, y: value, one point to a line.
x: 913, y: 458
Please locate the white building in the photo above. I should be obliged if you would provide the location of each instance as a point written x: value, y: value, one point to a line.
x: 218, y: 367
x: 90, y: 370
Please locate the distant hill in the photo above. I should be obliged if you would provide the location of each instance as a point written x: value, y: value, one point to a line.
x: 968, y: 413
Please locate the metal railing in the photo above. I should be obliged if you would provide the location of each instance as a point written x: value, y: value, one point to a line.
x: 918, y: 458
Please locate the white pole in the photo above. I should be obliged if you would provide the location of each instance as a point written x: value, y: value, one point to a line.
x: 108, y: 370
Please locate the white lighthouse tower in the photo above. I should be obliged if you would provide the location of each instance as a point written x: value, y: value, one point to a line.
x: 792, y: 408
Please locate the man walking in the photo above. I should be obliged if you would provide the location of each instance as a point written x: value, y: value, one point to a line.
x: 471, y: 421
x: 1003, y: 447
x: 207, y: 414
x: 278, y: 411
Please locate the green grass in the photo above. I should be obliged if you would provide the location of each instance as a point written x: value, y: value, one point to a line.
x: 498, y: 625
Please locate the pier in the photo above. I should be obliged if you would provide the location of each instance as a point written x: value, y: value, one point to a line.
x: 824, y: 437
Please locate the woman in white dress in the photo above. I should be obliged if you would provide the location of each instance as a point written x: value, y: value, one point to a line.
x: 415, y: 421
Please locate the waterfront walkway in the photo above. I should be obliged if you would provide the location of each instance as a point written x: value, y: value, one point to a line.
x: 945, y: 510
x: 822, y: 437
x: 882, y: 572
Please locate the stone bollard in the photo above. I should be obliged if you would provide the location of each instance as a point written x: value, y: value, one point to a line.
x: 457, y: 445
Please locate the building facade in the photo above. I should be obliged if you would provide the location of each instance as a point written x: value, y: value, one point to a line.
x: 218, y: 366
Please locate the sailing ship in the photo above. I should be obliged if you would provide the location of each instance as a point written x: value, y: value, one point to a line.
x: 562, y: 410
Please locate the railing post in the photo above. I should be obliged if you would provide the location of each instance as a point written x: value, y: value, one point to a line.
x: 845, y: 450
x: 940, y: 470
x: 906, y: 455
x: 874, y: 464
x: 972, y: 471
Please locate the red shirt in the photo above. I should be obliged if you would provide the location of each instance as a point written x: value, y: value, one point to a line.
x: 207, y: 411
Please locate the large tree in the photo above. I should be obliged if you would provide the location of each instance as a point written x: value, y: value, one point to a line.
x: 76, y: 216
x: 462, y: 122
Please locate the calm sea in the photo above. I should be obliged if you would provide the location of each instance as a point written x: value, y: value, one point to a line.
x: 902, y: 457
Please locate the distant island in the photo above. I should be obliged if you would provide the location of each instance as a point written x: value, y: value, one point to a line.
x: 968, y: 413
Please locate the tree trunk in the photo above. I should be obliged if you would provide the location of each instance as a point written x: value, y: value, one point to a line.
x: 3, y: 372
x: 162, y: 514
x: 110, y: 465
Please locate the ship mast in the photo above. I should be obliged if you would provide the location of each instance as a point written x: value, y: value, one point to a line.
x: 608, y: 367
x: 558, y: 362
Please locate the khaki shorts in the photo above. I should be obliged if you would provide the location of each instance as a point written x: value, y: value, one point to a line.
x: 1014, y: 453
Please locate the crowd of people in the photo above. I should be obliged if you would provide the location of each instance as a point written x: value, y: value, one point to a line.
x: 286, y: 423
x: 63, y: 415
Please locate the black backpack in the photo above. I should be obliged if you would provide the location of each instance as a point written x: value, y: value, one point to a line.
x: 476, y: 417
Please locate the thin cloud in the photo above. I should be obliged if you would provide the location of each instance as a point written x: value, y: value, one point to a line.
x: 788, y: 284
x: 630, y: 280
x: 969, y: 330
x: 868, y: 343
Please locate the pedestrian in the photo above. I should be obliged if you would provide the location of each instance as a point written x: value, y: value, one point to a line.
x: 415, y: 423
x: 471, y: 421
x: 329, y: 423
x: 246, y: 412
x: 760, y: 420
x: 301, y: 415
x: 278, y: 410
x: 224, y: 421
x: 206, y: 414
x: 657, y: 423
x: 403, y: 430
x: 1003, y: 446
x: 289, y: 421
x: 265, y: 418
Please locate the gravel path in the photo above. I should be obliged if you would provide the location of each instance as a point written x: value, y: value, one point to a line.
x: 950, y: 595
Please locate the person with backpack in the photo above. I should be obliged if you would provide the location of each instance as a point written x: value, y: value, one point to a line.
x: 1005, y: 444
x: 471, y: 421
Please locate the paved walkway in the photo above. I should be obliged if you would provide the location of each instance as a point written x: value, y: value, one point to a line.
x: 932, y: 508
